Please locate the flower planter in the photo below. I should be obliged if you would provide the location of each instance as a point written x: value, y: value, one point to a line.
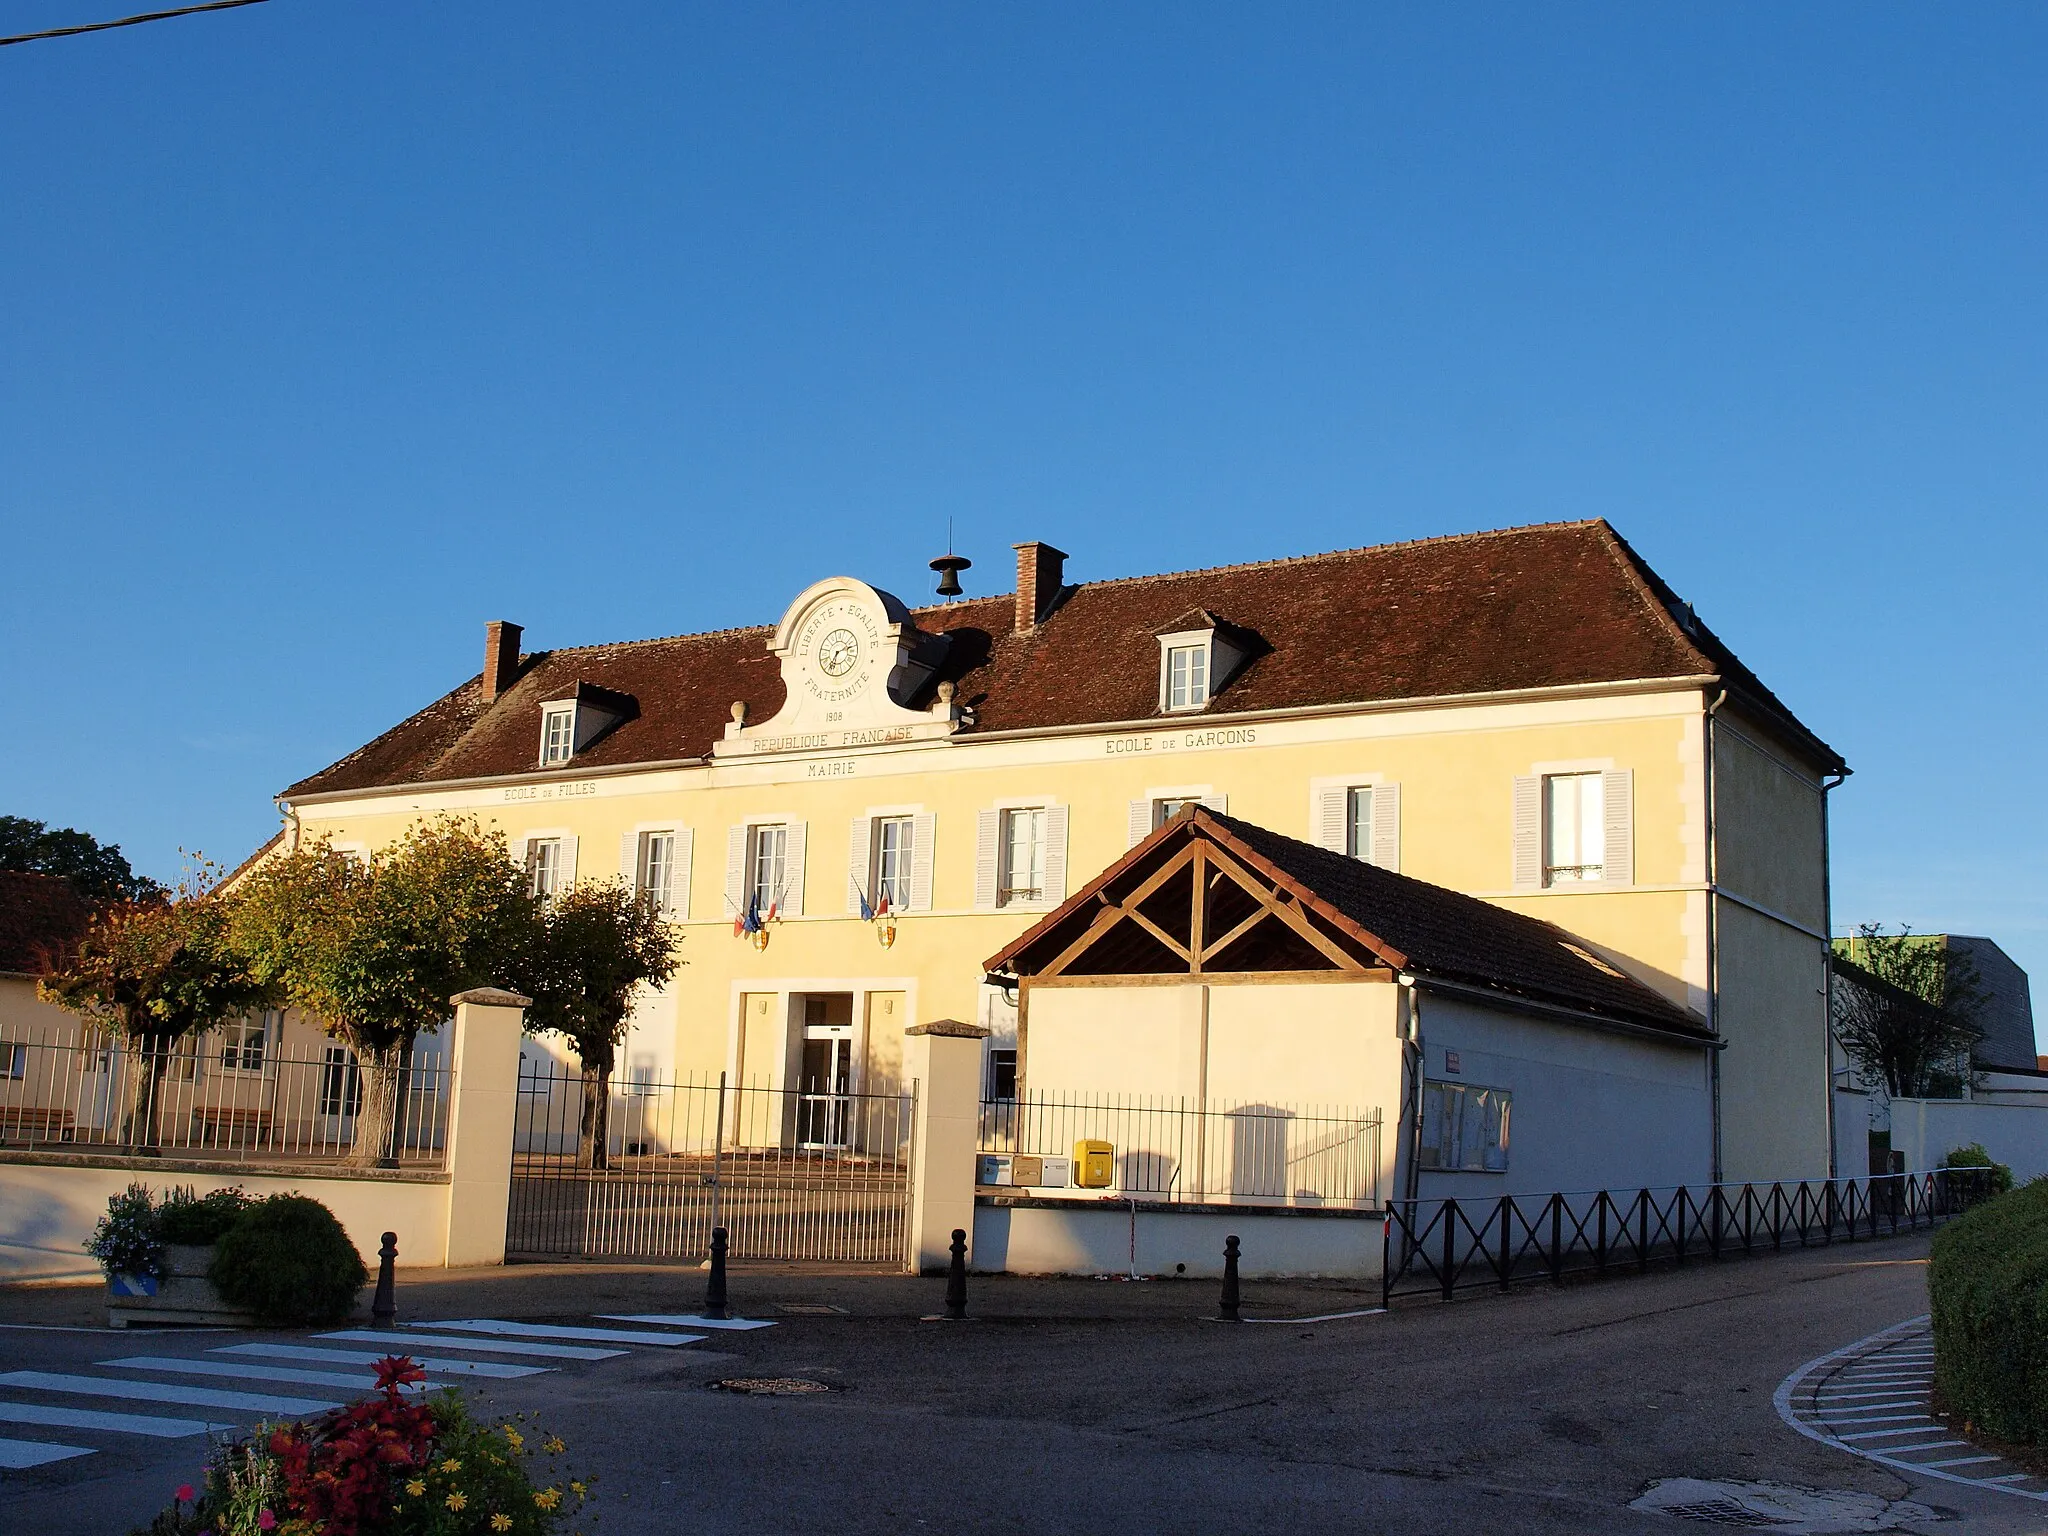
x: 184, y: 1295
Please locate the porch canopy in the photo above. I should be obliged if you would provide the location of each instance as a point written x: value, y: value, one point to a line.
x: 1208, y: 896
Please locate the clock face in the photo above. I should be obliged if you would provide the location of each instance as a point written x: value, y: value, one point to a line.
x: 837, y: 653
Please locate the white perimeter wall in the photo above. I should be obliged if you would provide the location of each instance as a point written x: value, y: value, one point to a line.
x: 48, y: 1211
x: 1097, y: 1240
x: 1927, y: 1130
x: 1591, y: 1110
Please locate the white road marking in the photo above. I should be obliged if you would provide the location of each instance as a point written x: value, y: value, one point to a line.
x: 238, y: 1371
x: 1879, y: 1418
x: 493, y: 1368
x: 1877, y: 1434
x: 119, y: 1423
x: 554, y: 1331
x: 684, y: 1320
x: 1932, y: 1445
x: 15, y: 1454
x: 1961, y: 1461
x: 158, y: 1392
x: 482, y: 1346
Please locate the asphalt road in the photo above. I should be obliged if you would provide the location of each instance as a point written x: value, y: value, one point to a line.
x: 1100, y: 1406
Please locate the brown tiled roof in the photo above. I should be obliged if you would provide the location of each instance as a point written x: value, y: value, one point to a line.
x: 1550, y: 606
x: 1389, y: 919
x: 41, y: 918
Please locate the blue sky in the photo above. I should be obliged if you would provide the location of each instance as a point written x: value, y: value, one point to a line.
x: 334, y: 329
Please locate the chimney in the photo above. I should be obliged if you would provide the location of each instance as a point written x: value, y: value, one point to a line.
x: 1040, y: 570
x: 501, y: 657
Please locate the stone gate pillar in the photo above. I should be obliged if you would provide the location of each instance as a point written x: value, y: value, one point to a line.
x: 944, y: 1059
x: 482, y: 1111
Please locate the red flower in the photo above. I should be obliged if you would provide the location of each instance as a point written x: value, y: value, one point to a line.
x: 184, y: 1493
x: 394, y: 1371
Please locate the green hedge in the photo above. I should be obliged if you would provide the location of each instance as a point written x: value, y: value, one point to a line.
x: 1988, y: 1281
x: 288, y: 1260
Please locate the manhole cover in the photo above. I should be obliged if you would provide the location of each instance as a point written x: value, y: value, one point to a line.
x: 770, y: 1386
x: 1783, y: 1507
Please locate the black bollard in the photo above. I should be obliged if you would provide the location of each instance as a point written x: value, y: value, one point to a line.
x: 384, y: 1309
x: 956, y: 1278
x: 714, y: 1291
x: 1228, y: 1311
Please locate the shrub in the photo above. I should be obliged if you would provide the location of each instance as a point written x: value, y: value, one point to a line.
x: 187, y: 1217
x: 1974, y: 1156
x: 1987, y: 1279
x: 126, y: 1241
x: 289, y: 1261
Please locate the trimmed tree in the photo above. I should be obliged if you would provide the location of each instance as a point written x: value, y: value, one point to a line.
x: 152, y: 973
x: 375, y: 946
x: 1906, y: 1009
x: 593, y: 950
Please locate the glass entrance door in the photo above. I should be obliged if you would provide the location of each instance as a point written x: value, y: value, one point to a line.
x: 825, y: 1085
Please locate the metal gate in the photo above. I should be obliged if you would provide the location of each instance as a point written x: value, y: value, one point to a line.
x: 807, y: 1172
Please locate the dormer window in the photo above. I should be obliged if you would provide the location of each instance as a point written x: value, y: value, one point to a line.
x: 557, y: 734
x: 1187, y: 676
x: 575, y: 719
x: 1198, y: 654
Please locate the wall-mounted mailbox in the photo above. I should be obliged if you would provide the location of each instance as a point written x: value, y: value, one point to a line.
x: 1042, y: 1172
x: 992, y: 1168
x: 1094, y: 1164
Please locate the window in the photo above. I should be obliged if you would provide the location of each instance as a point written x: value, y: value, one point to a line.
x: 656, y: 867
x: 13, y: 1063
x: 767, y: 860
x: 557, y: 734
x: 1002, y: 1073
x: 1465, y: 1128
x: 1023, y: 855
x: 242, y: 1043
x: 1574, y: 848
x: 1164, y: 811
x: 544, y: 867
x: 1187, y: 676
x: 1358, y: 823
x: 891, y: 878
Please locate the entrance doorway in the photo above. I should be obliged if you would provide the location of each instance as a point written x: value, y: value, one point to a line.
x: 825, y: 1072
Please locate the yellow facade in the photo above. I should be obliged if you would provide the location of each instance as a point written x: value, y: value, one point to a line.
x: 1754, y: 970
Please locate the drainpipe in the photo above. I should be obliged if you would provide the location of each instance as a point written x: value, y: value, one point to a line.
x: 291, y: 819
x: 1828, y: 784
x: 1412, y: 1059
x: 1713, y: 946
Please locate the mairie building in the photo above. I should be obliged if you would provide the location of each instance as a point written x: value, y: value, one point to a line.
x: 850, y: 813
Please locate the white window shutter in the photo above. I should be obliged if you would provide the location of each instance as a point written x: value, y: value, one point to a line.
x: 923, y: 831
x: 1140, y: 823
x: 679, y: 874
x: 526, y: 859
x: 1618, y: 799
x: 1220, y: 804
x: 568, y: 862
x: 793, y: 871
x: 860, y: 853
x: 1528, y: 832
x: 736, y: 871
x: 1055, y: 854
x: 629, y: 860
x: 1331, y: 806
x: 988, y: 836
x: 1386, y: 826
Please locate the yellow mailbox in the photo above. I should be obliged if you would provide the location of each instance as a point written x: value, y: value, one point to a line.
x: 1094, y: 1164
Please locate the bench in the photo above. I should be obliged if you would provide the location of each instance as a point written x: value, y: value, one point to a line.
x: 230, y: 1127
x: 27, y: 1122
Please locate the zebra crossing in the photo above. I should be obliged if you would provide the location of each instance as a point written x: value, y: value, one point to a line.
x: 240, y: 1384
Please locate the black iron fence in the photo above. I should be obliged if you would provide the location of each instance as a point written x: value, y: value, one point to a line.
x: 1440, y: 1247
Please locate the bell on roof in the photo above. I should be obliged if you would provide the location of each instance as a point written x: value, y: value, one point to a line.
x: 949, y: 566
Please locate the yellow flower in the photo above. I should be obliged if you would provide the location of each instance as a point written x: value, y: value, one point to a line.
x: 415, y: 1487
x: 548, y: 1498
x: 494, y: 1458
x: 514, y: 1439
x: 451, y: 1465
x: 457, y: 1501
x: 501, y: 1522
x: 553, y: 1445
x: 577, y: 1489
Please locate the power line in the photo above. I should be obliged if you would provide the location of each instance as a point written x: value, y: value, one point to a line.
x: 127, y: 21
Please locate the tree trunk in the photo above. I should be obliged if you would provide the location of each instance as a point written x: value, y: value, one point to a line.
x: 594, y: 1135
x: 152, y: 1058
x: 377, y: 1116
